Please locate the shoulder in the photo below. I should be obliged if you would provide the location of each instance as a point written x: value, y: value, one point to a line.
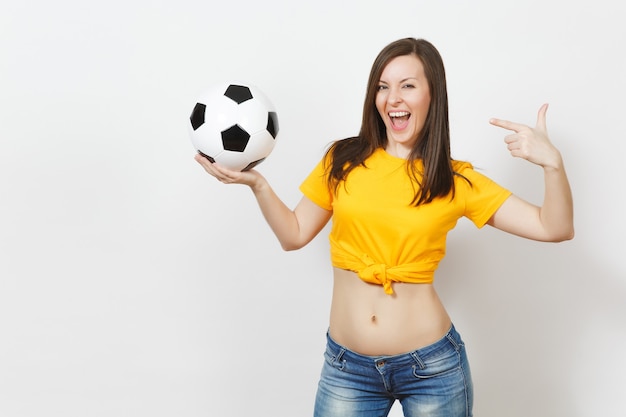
x: 343, y: 144
x: 469, y: 177
x: 467, y: 170
x: 460, y: 166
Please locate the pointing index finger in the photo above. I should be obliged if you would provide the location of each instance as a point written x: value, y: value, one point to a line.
x: 505, y: 124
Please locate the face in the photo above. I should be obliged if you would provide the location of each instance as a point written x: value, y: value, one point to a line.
x: 402, y: 101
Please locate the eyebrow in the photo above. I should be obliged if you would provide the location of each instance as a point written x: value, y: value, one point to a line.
x: 401, y: 81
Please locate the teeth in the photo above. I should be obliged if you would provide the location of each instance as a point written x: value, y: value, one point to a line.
x: 399, y: 114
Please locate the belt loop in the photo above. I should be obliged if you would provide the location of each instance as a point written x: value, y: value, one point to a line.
x: 450, y: 336
x: 417, y: 359
x: 339, y: 362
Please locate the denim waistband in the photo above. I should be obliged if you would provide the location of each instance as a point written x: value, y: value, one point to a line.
x: 451, y: 339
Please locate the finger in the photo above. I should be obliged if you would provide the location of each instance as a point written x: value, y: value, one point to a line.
x: 506, y: 124
x: 201, y: 159
x: 511, y: 138
x: 514, y: 144
x: 229, y: 173
x: 209, y: 166
x: 541, y: 117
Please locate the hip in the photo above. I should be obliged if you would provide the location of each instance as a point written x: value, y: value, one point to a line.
x: 433, y: 380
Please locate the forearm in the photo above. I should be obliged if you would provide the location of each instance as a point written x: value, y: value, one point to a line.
x: 557, y: 212
x: 281, y: 219
x: 293, y: 228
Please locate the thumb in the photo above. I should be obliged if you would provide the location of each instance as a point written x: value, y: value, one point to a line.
x: 541, y: 117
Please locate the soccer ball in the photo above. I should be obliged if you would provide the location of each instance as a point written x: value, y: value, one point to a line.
x: 234, y: 125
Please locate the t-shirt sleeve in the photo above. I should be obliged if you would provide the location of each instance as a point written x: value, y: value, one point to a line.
x: 483, y: 197
x: 315, y: 187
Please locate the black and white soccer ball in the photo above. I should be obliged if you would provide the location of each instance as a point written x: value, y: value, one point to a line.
x: 234, y: 124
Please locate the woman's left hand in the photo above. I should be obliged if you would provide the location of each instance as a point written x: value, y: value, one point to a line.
x: 531, y: 143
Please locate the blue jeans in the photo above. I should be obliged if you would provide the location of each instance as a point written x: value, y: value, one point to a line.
x: 433, y: 381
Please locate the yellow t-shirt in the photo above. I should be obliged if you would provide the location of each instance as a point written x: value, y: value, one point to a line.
x: 377, y: 233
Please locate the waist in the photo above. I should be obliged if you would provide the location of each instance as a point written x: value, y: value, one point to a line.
x: 450, y: 337
x: 369, y: 321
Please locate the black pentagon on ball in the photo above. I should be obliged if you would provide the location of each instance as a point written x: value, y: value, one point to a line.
x: 235, y: 139
x: 253, y: 164
x: 210, y: 158
x: 197, y: 116
x: 272, y: 124
x: 238, y: 93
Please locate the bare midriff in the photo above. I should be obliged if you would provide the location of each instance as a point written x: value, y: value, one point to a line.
x: 366, y: 320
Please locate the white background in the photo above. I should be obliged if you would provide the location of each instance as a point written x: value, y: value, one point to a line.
x: 134, y: 284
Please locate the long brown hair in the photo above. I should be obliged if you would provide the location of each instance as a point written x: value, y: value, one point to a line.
x: 433, y: 143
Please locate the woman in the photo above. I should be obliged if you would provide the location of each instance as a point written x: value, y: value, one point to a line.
x: 393, y: 193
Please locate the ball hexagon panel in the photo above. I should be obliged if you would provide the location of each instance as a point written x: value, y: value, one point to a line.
x: 220, y: 112
x: 233, y: 160
x: 252, y: 116
x: 258, y: 144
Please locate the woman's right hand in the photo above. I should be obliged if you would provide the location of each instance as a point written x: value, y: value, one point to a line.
x: 250, y: 178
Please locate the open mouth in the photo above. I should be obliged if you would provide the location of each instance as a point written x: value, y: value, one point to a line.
x: 399, y: 119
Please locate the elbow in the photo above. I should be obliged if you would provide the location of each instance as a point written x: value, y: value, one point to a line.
x: 564, y: 236
x: 291, y: 243
x: 569, y: 236
x: 290, y: 246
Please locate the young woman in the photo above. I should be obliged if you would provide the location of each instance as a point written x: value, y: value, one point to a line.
x: 393, y: 193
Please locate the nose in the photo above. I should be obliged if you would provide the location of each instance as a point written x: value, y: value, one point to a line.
x: 394, y: 97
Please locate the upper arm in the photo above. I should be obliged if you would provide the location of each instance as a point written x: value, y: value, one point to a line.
x: 521, y: 218
x: 311, y: 220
